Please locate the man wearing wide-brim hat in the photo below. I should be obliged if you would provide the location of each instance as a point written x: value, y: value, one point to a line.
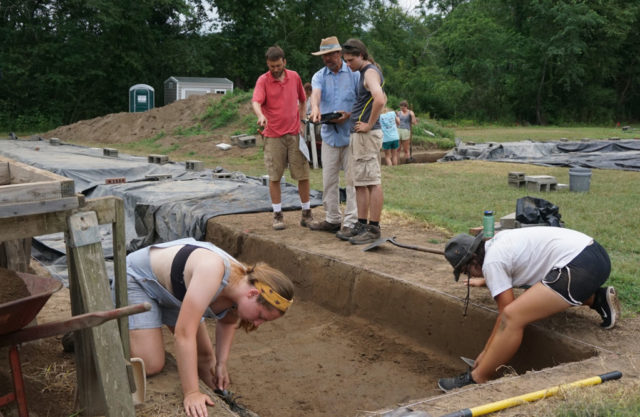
x: 334, y: 91
x: 559, y: 267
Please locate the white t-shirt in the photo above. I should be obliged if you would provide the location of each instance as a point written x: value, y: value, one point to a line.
x: 523, y: 257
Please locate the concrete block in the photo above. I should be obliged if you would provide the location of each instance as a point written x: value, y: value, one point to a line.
x: 540, y: 182
x: 193, y: 165
x: 246, y: 141
x: 157, y: 159
x: 110, y: 152
x: 54, y: 142
x: 508, y: 221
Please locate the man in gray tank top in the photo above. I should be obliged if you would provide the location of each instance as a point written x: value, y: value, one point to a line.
x: 364, y: 147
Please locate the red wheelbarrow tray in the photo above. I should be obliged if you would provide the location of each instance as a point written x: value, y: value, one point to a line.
x: 16, y: 314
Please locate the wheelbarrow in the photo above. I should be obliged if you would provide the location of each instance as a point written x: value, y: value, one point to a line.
x: 16, y: 314
x: 383, y: 240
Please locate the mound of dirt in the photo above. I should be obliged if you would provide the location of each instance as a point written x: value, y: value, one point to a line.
x: 125, y: 127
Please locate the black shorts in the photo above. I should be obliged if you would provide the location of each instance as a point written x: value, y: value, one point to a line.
x: 580, y: 279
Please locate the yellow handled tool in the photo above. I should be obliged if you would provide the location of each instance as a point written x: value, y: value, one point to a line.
x: 532, y: 396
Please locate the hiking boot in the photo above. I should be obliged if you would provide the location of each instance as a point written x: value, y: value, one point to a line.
x: 369, y: 234
x: 278, y: 221
x: 607, y: 305
x: 447, y: 384
x: 307, y: 218
x: 346, y: 232
x: 325, y: 226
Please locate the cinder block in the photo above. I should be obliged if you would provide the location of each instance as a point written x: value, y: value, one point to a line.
x: 246, y: 141
x: 54, y: 141
x: 541, y: 182
x: 194, y: 165
x: 222, y: 175
x: 110, y: 152
x: 508, y: 221
x: 157, y: 159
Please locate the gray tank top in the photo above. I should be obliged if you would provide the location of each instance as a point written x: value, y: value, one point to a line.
x: 139, y: 267
x: 405, y: 121
x: 361, y: 110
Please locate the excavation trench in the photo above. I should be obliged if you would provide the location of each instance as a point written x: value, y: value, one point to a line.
x: 359, y: 339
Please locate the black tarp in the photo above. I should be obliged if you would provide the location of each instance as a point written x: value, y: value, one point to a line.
x: 156, y: 210
x: 604, y: 154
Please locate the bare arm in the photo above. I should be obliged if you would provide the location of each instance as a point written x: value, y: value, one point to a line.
x: 372, y: 83
x: 257, y: 109
x: 414, y: 120
x: 225, y: 330
x: 189, y: 332
x: 316, y: 95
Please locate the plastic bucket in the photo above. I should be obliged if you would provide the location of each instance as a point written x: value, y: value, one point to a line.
x: 579, y: 179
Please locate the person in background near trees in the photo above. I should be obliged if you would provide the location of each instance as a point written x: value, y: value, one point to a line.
x: 364, y: 147
x: 279, y: 102
x: 390, y: 140
x: 560, y: 267
x: 186, y: 280
x: 407, y: 120
x: 334, y: 91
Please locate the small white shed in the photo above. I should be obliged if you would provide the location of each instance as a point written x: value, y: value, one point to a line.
x: 178, y: 88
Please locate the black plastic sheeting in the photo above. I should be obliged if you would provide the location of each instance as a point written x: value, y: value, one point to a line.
x: 604, y: 154
x: 156, y: 209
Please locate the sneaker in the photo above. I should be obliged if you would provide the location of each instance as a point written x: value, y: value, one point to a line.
x: 347, y: 232
x: 325, y: 226
x: 607, y: 305
x: 447, y: 384
x: 369, y: 234
x: 278, y: 221
x: 307, y: 218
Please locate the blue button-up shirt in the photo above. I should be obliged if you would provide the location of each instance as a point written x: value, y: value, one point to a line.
x: 338, y: 94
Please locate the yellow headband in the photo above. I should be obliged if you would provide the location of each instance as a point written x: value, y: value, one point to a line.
x: 273, y: 297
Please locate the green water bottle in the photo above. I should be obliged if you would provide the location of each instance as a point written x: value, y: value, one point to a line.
x: 488, y: 224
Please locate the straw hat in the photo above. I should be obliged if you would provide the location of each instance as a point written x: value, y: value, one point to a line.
x: 328, y: 45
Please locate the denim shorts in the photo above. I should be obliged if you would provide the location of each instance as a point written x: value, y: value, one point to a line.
x: 164, y: 306
x: 580, y: 278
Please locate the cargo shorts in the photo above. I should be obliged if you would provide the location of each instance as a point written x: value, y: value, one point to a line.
x: 283, y: 151
x: 364, y: 149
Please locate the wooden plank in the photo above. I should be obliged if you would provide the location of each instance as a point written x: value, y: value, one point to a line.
x: 35, y: 207
x: 16, y: 254
x: 5, y: 177
x: 45, y: 223
x: 120, y: 271
x: 106, y: 348
x: 34, y: 191
x: 21, y: 172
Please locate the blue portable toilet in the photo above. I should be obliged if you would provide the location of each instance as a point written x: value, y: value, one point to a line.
x: 141, y: 98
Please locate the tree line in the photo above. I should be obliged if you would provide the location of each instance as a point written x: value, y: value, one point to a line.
x: 529, y: 61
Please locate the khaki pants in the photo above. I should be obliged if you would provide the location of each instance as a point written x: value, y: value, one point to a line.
x: 335, y: 159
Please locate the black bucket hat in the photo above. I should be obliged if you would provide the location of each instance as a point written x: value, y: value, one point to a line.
x: 460, y: 249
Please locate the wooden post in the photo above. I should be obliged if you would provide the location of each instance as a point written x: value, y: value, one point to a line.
x: 16, y: 254
x: 314, y: 151
x: 103, y: 384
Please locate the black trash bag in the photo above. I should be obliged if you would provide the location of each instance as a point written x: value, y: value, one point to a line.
x: 531, y: 210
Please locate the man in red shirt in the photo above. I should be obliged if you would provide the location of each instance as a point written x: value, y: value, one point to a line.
x: 279, y: 101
